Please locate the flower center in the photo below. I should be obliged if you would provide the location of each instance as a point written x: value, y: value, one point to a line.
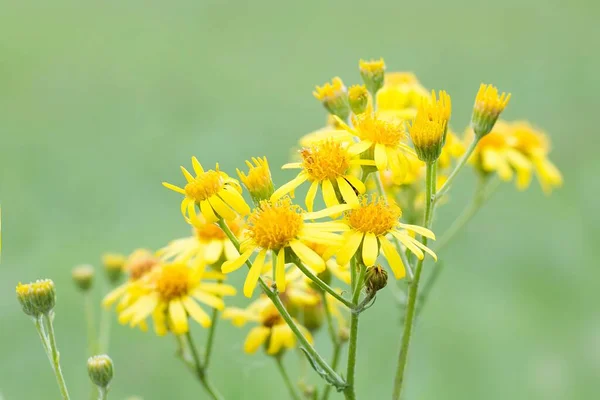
x: 325, y: 160
x: 377, y: 131
x: 270, y: 317
x: 205, y: 185
x: 273, y: 225
x: 140, y: 264
x: 173, y: 281
x: 374, y: 216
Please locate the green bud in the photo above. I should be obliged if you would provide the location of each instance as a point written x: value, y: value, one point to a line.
x: 113, y: 266
x: 83, y: 276
x: 375, y: 279
x: 373, y: 74
x: 100, y: 370
x: 37, y: 298
x: 358, y: 98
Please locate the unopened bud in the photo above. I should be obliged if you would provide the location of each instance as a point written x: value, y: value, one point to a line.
x: 373, y: 74
x: 358, y: 98
x: 83, y: 276
x: 37, y: 298
x: 488, y: 106
x: 314, y: 315
x: 375, y: 279
x: 334, y: 97
x: 258, y: 181
x: 113, y: 266
x: 100, y: 370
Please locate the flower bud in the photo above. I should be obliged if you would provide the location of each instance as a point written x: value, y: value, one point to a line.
x: 258, y: 180
x: 83, y: 275
x: 488, y: 106
x: 113, y: 266
x: 314, y: 315
x: 100, y: 370
x: 334, y: 97
x: 428, y: 130
x: 373, y: 74
x: 375, y: 279
x: 358, y: 98
x: 37, y: 298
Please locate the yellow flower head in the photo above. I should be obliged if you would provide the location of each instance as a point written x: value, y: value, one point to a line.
x: 280, y: 227
x: 113, y: 266
x: 272, y: 331
x: 334, y: 97
x: 258, y: 180
x: 37, y: 297
x: 488, y: 106
x: 213, y: 191
x: 381, y: 141
x: 429, y: 128
x: 171, y: 295
x: 137, y: 267
x: 208, y: 245
x: 369, y: 225
x: 401, y: 94
x: 358, y: 97
x: 373, y: 74
x: 327, y: 165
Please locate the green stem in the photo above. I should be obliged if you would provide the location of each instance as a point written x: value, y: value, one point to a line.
x: 104, y: 336
x: 56, y: 358
x: 461, y: 163
x: 322, y: 284
x: 91, y: 330
x: 211, y: 337
x: 286, y: 378
x: 334, y: 341
x: 304, y: 343
x: 102, y: 393
x: 413, y: 290
x: 39, y: 326
x: 352, y: 344
x: 200, y: 371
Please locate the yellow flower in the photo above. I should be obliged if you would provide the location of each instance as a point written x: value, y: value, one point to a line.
x: 137, y: 266
x: 383, y: 141
x: 279, y: 227
x: 208, y: 245
x: 429, y: 127
x: 401, y: 91
x: 258, y: 181
x: 369, y: 224
x: 358, y: 97
x: 334, y: 97
x: 535, y: 146
x: 326, y: 165
x: 171, y: 295
x: 213, y: 191
x: 488, y: 106
x: 495, y: 154
x: 272, y: 331
x: 342, y: 272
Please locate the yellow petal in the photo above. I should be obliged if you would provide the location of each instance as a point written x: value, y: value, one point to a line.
x: 310, y: 195
x: 196, y: 312
x: 356, y: 183
x: 217, y: 288
x: 188, y: 176
x: 178, y: 317
x: 347, y: 192
x: 327, y: 212
x: 289, y: 187
x: 294, y: 165
x: 329, y: 193
x: 256, y: 337
x: 347, y: 251
x: 254, y: 273
x: 221, y: 208
x: 208, y: 299
x: 370, y: 249
x: 277, y: 339
x: 409, y: 243
x: 197, y: 166
x: 394, y: 259
x: 232, y: 265
x: 381, y: 159
x: 208, y: 212
x: 213, y: 251
x: 360, y: 147
x: 418, y: 229
x: 144, y: 307
x: 173, y: 188
x: 308, y: 256
x: 192, y: 214
x: 234, y: 199
x: 280, y: 270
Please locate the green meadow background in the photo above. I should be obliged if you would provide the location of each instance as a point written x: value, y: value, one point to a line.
x: 101, y: 101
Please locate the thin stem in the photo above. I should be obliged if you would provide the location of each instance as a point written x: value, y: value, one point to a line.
x: 305, y: 344
x: 91, y: 330
x: 401, y: 252
x: 352, y: 344
x: 200, y: 372
x: 322, y: 284
x: 211, y: 337
x: 102, y: 393
x: 335, y: 358
x: 39, y: 326
x: 104, y: 336
x: 286, y: 378
x: 334, y: 341
x: 56, y: 358
x: 461, y: 163
x: 413, y: 290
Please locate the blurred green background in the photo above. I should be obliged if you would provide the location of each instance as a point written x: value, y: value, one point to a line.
x: 100, y: 102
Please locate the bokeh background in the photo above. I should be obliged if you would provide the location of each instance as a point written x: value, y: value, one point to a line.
x: 100, y: 102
